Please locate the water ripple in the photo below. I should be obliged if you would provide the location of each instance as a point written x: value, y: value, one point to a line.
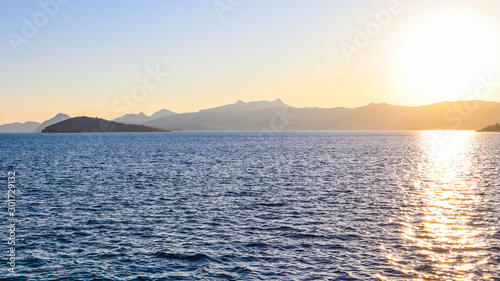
x: 253, y: 206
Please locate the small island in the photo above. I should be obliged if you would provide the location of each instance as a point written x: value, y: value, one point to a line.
x: 490, y: 128
x: 85, y: 124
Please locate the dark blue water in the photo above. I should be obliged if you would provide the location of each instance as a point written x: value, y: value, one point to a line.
x: 253, y: 206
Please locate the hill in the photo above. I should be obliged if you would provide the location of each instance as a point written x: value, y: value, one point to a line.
x: 132, y: 118
x: 247, y: 106
x: 91, y: 125
x: 491, y: 128
x: 141, y: 118
x: 27, y: 127
x: 56, y: 119
x: 30, y: 126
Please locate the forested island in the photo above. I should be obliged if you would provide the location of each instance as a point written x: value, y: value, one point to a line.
x: 491, y: 128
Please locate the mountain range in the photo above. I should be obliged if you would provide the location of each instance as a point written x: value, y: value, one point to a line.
x: 461, y: 115
x: 140, y: 118
x: 36, y: 127
x: 276, y: 115
x: 32, y: 127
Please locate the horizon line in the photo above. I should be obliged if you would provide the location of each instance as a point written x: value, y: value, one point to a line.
x: 278, y: 99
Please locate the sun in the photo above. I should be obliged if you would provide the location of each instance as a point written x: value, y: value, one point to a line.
x: 443, y: 56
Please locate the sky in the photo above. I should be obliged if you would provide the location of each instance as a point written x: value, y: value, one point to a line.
x: 108, y: 58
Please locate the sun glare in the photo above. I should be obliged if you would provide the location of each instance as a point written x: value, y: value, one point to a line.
x: 443, y: 56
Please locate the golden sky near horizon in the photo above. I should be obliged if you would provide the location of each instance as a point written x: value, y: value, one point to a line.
x: 93, y: 59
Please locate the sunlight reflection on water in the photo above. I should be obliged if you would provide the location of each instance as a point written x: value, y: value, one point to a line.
x: 441, y: 223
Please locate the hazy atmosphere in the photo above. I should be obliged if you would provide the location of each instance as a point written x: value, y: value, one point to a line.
x: 89, y: 57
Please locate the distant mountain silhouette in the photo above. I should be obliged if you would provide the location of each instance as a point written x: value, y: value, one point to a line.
x: 276, y: 115
x: 491, y: 128
x: 459, y: 115
x: 247, y: 106
x: 56, y: 119
x: 132, y: 118
x: 27, y: 127
x: 237, y: 116
x: 30, y: 126
x: 140, y: 118
x: 161, y: 113
x: 85, y: 124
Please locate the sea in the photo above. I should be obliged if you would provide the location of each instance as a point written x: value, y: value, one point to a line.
x: 314, y: 205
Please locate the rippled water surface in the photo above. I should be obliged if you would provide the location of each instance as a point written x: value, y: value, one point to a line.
x: 254, y: 206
